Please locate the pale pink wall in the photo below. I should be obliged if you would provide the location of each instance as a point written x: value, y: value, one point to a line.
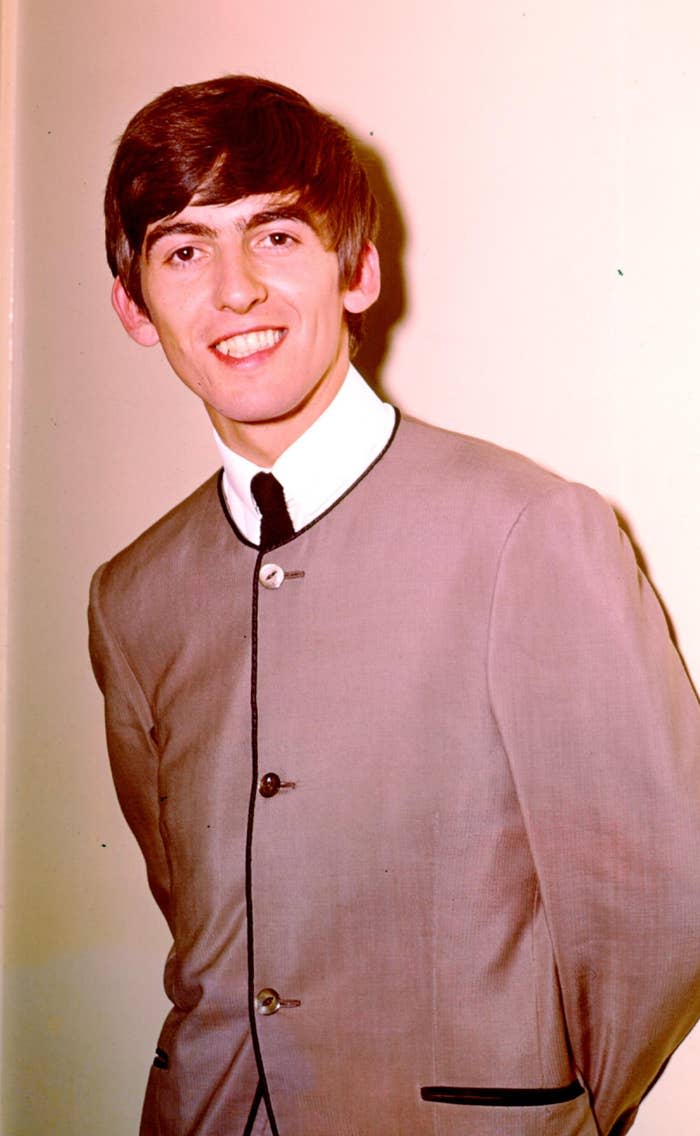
x: 544, y: 156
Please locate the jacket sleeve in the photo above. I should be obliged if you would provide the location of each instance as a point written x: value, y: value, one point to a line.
x: 133, y: 753
x: 602, y: 729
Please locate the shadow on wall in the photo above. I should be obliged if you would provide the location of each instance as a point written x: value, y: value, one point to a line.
x: 391, y: 306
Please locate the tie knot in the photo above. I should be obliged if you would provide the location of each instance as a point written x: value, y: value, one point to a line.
x: 276, y: 525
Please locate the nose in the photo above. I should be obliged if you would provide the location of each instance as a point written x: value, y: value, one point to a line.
x: 238, y: 283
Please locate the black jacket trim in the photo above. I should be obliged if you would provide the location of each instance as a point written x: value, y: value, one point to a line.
x: 263, y: 1090
x: 501, y: 1098
x: 244, y: 540
x: 250, y: 1122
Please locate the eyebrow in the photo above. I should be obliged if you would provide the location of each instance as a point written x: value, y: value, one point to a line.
x: 255, y: 221
x: 280, y: 213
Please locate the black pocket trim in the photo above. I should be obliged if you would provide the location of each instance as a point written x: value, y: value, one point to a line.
x: 501, y: 1098
x: 161, y: 1059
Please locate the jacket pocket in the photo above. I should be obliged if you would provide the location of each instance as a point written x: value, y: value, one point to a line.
x: 501, y: 1098
x: 161, y: 1059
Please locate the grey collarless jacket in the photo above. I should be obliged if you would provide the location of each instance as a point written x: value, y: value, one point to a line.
x: 417, y: 793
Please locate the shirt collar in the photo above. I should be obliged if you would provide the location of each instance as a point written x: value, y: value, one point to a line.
x: 321, y: 464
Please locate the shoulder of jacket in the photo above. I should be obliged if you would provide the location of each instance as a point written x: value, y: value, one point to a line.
x: 459, y: 460
x: 161, y: 540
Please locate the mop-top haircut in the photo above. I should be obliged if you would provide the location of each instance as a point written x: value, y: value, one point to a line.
x: 215, y: 142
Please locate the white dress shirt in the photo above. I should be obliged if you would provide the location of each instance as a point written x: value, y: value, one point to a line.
x: 321, y: 464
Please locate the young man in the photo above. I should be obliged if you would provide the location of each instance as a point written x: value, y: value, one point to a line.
x: 399, y: 729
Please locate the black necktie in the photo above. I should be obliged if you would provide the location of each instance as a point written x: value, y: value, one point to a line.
x: 275, y: 525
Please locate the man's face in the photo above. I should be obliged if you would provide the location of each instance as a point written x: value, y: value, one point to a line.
x: 247, y: 304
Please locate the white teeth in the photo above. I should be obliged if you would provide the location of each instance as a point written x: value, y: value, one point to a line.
x: 239, y: 346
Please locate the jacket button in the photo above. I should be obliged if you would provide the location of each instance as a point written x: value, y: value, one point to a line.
x: 267, y: 1001
x: 269, y: 785
x: 271, y: 576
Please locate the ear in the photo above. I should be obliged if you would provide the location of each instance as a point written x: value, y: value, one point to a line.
x: 135, y: 322
x: 366, y: 282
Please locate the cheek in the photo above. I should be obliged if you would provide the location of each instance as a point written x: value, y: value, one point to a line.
x: 330, y: 309
x: 175, y: 327
x: 172, y: 310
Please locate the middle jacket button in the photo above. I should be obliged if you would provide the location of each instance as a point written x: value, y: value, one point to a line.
x: 270, y: 784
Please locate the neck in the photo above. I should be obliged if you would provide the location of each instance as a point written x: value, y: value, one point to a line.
x: 260, y: 442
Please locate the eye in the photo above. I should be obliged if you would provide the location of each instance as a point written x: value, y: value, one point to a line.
x: 278, y: 240
x: 184, y: 254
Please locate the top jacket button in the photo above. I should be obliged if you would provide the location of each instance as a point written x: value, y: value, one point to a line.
x: 267, y: 1001
x: 271, y: 576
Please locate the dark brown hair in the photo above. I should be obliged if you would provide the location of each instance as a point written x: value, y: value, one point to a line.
x: 230, y: 138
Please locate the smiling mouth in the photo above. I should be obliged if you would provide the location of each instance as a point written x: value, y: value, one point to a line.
x: 249, y: 343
